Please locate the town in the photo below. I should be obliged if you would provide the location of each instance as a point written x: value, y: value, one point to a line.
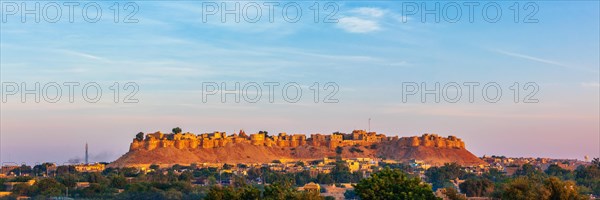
x: 329, y: 177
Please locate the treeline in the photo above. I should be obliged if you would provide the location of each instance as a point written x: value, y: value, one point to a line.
x: 396, y: 180
x: 528, y: 182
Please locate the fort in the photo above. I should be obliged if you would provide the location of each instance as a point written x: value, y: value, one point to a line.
x: 221, y: 139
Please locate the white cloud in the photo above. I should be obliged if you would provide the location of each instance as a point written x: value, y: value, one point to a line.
x: 590, y: 85
x: 369, y: 12
x: 358, y: 25
x: 542, y: 60
x: 84, y: 55
x: 531, y: 58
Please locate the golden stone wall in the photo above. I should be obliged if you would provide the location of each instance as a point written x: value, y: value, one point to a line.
x: 220, y: 139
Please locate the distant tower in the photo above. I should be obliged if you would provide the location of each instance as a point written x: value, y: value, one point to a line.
x: 86, y: 153
x: 369, y: 125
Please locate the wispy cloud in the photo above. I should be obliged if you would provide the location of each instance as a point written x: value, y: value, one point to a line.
x: 368, y: 11
x: 358, y: 25
x: 84, y: 55
x: 362, y: 20
x: 590, y: 84
x: 540, y: 60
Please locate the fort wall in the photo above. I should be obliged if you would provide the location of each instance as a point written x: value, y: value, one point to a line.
x: 221, y: 139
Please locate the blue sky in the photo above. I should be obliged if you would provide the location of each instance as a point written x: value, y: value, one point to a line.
x: 368, y: 53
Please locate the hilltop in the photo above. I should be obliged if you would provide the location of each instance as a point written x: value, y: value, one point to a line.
x: 218, y: 147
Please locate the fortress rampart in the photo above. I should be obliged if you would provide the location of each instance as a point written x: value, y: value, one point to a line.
x: 220, y: 139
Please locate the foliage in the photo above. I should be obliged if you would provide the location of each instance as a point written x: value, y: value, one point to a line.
x: 532, y: 188
x: 440, y: 176
x: 176, y: 130
x: 393, y: 184
x: 139, y: 136
x: 477, y: 187
x: 339, y: 150
x: 453, y: 194
x: 589, y: 178
x: 47, y: 187
x: 528, y: 170
x: 562, y: 189
x: 354, y: 149
x: 555, y: 170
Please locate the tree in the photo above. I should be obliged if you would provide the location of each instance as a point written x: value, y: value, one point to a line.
x: 48, y: 187
x: 524, y: 188
x: 69, y: 180
x: 176, y: 130
x: 596, y: 161
x: 555, y: 170
x: 227, y: 166
x: 154, y: 167
x: 560, y: 190
x: 250, y: 193
x: 494, y: 175
x: 39, y: 170
x: 284, y: 190
x: 339, y: 150
x: 350, y: 194
x: 186, y: 176
x: 264, y: 132
x: 118, y: 181
x: 440, y: 176
x: 341, y: 173
x: 527, y: 170
x: 393, y: 184
x: 139, y: 136
x: 453, y: 194
x: 21, y: 189
x: 477, y: 187
x: 589, y: 177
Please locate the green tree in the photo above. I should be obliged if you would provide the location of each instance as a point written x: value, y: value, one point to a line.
x: 173, y: 194
x: 21, y: 189
x: 441, y: 176
x: 139, y: 136
x: 48, y: 187
x: 393, y: 184
x: 220, y: 192
x: 562, y: 190
x: 589, y: 177
x: 176, y: 130
x: 69, y: 180
x: 211, y: 180
x: 186, y: 176
x: 250, y: 193
x: 118, y: 181
x: 341, y: 173
x: 350, y: 194
x: 555, y: 170
x: 527, y: 170
x: 453, y: 194
x: 154, y: 167
x: 477, y: 187
x: 596, y: 161
x: 524, y: 188
x: 339, y: 150
x: 494, y: 175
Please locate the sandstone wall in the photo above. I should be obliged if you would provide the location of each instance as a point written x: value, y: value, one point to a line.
x: 220, y: 139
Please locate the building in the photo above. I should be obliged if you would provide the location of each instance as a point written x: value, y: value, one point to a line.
x: 96, y: 167
x: 311, y: 187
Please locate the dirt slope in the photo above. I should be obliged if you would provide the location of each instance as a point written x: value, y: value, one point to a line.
x: 247, y: 153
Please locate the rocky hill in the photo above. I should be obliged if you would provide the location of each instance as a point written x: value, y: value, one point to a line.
x: 218, y: 147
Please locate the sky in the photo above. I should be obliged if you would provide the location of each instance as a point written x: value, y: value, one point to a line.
x: 171, y: 59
